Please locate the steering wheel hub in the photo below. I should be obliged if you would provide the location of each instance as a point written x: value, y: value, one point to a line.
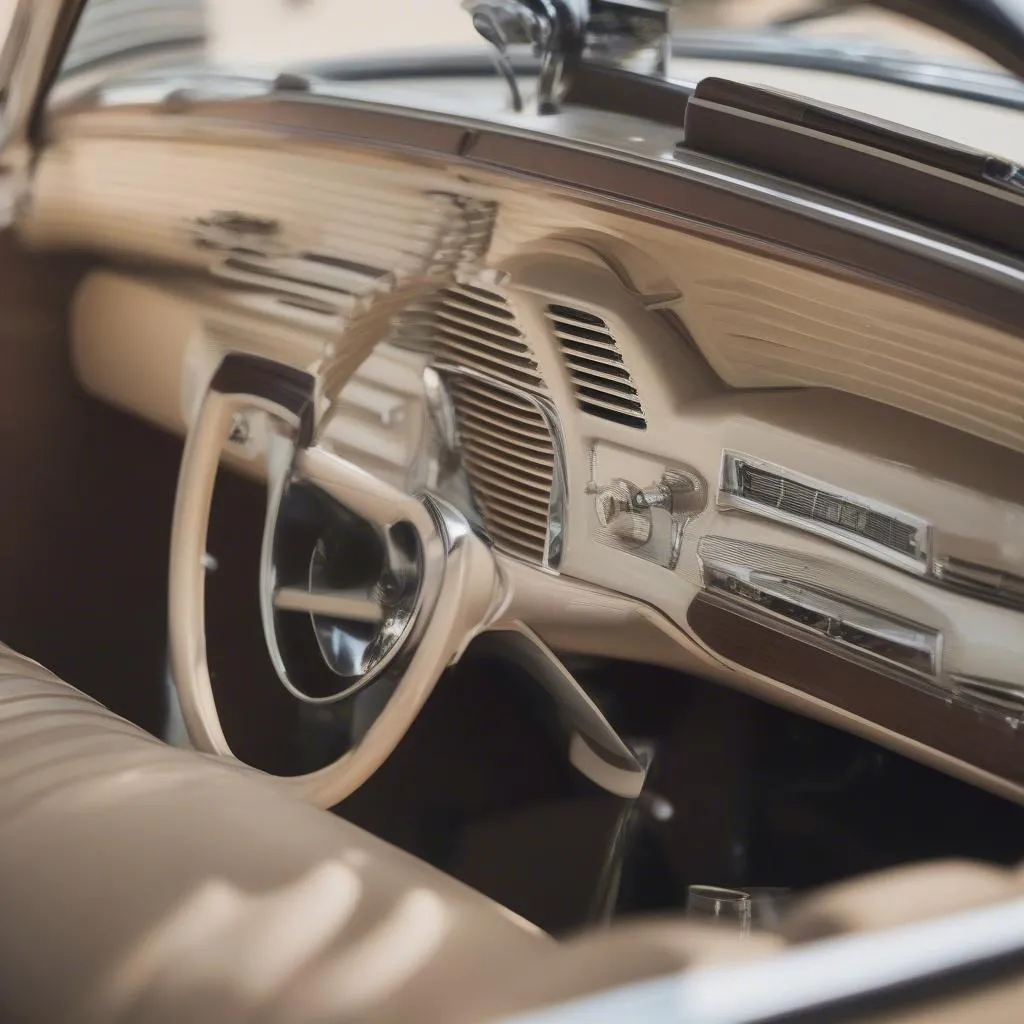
x: 353, y: 586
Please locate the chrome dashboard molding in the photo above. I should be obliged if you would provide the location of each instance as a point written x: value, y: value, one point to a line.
x: 559, y: 499
x: 825, y: 521
x: 833, y: 621
x: 985, y: 583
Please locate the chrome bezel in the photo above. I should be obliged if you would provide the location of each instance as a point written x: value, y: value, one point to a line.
x: 730, y: 501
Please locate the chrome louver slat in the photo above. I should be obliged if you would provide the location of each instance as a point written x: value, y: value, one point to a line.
x: 600, y: 378
x: 510, y: 460
x: 478, y: 330
x: 854, y: 521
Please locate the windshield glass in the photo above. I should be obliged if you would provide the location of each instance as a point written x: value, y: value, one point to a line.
x: 865, y: 59
x: 282, y: 32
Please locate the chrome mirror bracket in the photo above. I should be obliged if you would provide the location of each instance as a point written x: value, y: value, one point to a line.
x: 631, y: 35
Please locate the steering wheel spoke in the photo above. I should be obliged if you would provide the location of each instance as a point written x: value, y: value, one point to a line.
x: 346, y: 605
x: 394, y: 584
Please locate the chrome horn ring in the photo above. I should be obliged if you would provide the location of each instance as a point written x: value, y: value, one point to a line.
x: 451, y: 588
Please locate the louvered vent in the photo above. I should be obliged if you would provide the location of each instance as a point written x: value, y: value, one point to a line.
x: 602, y: 382
x: 479, y: 331
x: 506, y: 444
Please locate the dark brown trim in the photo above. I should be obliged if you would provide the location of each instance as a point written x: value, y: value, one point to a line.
x: 985, y: 741
x: 615, y: 91
x: 660, y: 193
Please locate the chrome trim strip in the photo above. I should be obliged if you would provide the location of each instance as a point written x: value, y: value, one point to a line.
x: 837, y: 623
x: 990, y: 694
x: 982, y: 582
x: 730, y: 500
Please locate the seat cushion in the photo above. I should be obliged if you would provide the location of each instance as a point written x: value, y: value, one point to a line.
x: 145, y: 883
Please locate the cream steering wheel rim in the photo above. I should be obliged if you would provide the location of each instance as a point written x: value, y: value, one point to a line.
x: 462, y: 590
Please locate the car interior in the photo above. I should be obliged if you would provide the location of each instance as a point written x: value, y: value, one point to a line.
x: 424, y: 573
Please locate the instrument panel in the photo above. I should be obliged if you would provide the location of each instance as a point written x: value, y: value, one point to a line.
x: 683, y: 452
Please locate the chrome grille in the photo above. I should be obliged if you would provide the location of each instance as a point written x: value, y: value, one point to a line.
x: 510, y: 459
x: 505, y: 441
x: 602, y: 383
x: 807, y: 504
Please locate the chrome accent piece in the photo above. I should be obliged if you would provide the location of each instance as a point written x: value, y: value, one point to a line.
x: 867, y: 526
x: 511, y: 445
x: 837, y: 622
x: 633, y: 35
x: 552, y: 29
x: 331, y: 604
x: 990, y: 694
x: 646, y: 521
x: 983, y: 582
x: 623, y: 514
x: 601, y: 381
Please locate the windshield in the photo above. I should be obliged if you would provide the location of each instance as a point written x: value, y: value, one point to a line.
x: 865, y: 59
x: 283, y: 32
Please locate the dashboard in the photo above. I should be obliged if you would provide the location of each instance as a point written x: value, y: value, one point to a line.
x: 683, y: 451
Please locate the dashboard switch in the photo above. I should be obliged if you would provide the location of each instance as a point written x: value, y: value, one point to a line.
x: 644, y: 520
x: 623, y: 511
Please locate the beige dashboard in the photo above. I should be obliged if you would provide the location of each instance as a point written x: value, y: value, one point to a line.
x: 644, y: 421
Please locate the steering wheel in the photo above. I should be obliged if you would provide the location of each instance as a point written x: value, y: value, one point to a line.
x: 423, y: 587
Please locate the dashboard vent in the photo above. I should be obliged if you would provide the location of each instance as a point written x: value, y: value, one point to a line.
x: 510, y: 459
x: 478, y: 330
x: 505, y: 442
x: 818, y: 508
x: 603, y: 384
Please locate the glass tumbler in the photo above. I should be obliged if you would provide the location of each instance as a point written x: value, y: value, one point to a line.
x: 731, y: 907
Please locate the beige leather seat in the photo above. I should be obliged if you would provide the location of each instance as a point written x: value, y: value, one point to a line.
x: 144, y: 883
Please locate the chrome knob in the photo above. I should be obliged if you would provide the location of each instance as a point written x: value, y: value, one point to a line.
x: 622, y: 511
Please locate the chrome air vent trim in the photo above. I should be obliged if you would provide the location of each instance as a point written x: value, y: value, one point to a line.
x: 867, y: 526
x: 510, y: 444
x: 600, y: 378
x: 836, y: 622
x: 983, y: 582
